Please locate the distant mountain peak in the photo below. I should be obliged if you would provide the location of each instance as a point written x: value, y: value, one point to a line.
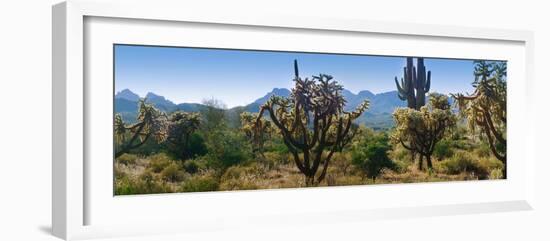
x: 366, y: 93
x: 159, y: 101
x: 153, y: 95
x: 127, y: 95
x: 280, y: 91
x: 275, y: 91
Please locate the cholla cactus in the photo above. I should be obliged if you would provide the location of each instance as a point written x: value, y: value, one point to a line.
x: 181, y: 125
x: 414, y: 84
x: 420, y: 130
x: 151, y: 123
x: 486, y: 107
x: 257, y: 131
x: 312, y: 121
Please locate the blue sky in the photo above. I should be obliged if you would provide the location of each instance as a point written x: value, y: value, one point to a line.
x: 238, y: 77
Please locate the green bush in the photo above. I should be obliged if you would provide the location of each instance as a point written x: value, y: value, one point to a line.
x: 127, y: 159
x: 277, y: 145
x: 371, y: 155
x: 195, y: 147
x: 158, y: 162
x: 443, y: 149
x: 172, y: 173
x: 200, y: 183
x: 227, y: 148
x: 463, y: 161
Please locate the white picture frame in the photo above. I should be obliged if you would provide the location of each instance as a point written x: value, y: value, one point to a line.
x: 75, y: 201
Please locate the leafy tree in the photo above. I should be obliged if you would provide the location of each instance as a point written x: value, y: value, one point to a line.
x: 371, y: 155
x: 180, y: 127
x: 213, y: 115
x: 311, y: 121
x: 485, y: 109
x: 151, y: 124
x: 420, y: 130
x: 226, y: 148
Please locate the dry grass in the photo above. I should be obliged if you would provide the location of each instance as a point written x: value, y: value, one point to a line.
x: 158, y: 173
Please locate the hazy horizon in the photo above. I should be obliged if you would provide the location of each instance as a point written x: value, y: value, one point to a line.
x: 142, y: 95
x: 239, y: 77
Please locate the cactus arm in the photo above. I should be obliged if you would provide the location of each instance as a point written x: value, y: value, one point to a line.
x: 428, y: 81
x: 401, y: 93
x: 296, y: 73
x: 400, y: 90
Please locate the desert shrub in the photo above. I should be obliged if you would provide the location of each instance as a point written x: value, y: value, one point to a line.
x: 200, y: 183
x: 483, y: 150
x: 443, y: 149
x: 241, y: 178
x: 399, y: 153
x: 127, y: 159
x: 235, y: 172
x: 463, y: 161
x: 347, y: 180
x: 193, y: 166
x: 124, y: 186
x: 496, y: 174
x: 146, y: 183
x: 462, y: 144
x: 490, y: 163
x: 172, y: 173
x: 341, y: 162
x: 275, y: 158
x: 401, y: 166
x: 118, y: 172
x: 459, y: 133
x: 238, y: 184
x: 158, y: 162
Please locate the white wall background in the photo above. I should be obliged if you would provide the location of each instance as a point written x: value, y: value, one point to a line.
x: 25, y: 119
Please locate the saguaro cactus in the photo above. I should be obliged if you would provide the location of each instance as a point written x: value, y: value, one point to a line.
x: 414, y: 84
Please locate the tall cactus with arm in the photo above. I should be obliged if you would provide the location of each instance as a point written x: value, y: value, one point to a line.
x: 414, y: 84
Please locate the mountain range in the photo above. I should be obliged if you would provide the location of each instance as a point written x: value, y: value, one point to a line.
x: 378, y: 116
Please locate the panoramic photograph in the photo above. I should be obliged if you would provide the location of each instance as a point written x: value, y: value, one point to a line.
x: 202, y: 119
